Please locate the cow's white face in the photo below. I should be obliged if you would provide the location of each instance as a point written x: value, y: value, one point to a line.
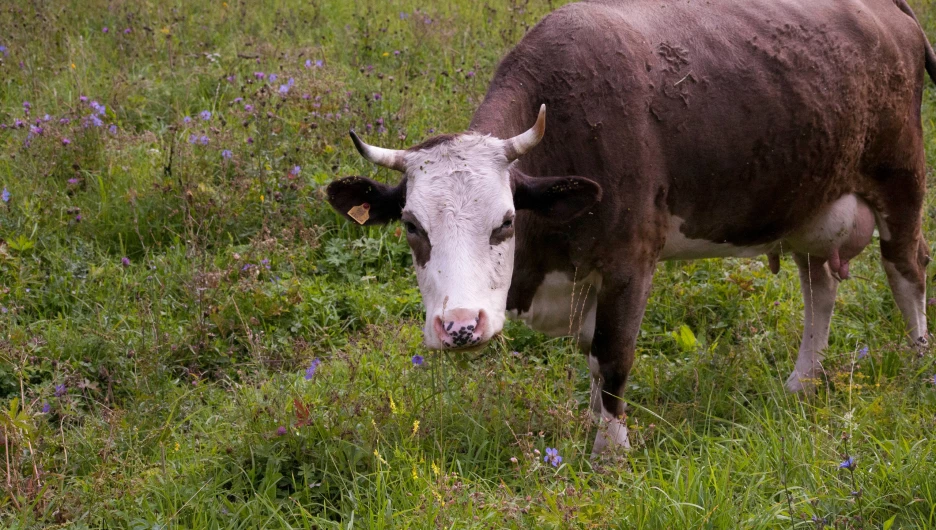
x: 459, y: 216
x: 457, y: 201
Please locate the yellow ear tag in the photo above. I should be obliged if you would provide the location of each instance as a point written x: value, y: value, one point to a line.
x: 360, y: 213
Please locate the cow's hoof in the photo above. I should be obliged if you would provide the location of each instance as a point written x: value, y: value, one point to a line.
x: 612, y: 433
x: 800, y: 383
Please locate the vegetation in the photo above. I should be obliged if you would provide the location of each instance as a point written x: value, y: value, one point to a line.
x: 191, y: 338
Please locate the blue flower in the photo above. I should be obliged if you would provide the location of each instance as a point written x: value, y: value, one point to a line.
x: 192, y: 139
x: 46, y: 408
x: 319, y: 63
x: 227, y: 154
x: 308, y: 63
x: 848, y: 464
x: 273, y: 77
x: 418, y: 360
x: 187, y: 119
x: 5, y: 196
x: 295, y: 171
x: 310, y: 371
x: 205, y: 115
x: 284, y: 89
x: 96, y: 121
x: 3, y: 50
x: 203, y: 140
x: 60, y: 390
x: 863, y: 352
x: 112, y: 129
x: 291, y: 82
x: 552, y: 457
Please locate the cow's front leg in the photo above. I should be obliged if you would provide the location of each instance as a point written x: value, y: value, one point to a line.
x: 621, y: 304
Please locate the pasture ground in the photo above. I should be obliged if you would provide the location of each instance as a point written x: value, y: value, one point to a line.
x: 191, y: 338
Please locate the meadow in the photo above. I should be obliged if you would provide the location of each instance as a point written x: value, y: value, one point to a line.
x: 191, y: 338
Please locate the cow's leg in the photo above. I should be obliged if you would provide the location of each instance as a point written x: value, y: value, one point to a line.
x: 819, y: 288
x: 621, y: 304
x: 905, y: 255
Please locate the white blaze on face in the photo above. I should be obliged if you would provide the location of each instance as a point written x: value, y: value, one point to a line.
x: 458, y: 192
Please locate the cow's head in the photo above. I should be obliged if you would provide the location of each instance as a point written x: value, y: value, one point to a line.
x: 457, y: 200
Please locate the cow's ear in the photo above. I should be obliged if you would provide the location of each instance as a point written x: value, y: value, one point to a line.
x: 367, y: 201
x: 557, y: 198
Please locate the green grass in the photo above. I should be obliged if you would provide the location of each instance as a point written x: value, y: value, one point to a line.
x: 182, y: 401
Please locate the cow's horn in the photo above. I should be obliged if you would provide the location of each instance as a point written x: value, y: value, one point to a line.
x: 523, y: 142
x: 389, y: 158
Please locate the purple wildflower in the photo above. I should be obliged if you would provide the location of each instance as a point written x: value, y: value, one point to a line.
x: 104, y: 29
x: 404, y: 15
x: 319, y: 63
x: 60, y: 390
x: 18, y: 124
x: 418, y: 360
x: 377, y: 96
x: 295, y: 171
x: 552, y: 457
x: 192, y: 139
x: 3, y: 50
x: 46, y: 408
x: 310, y: 371
x: 306, y: 96
x: 470, y: 74
x: 96, y: 121
x: 248, y: 107
x: 226, y: 154
x: 203, y: 140
x: 125, y: 261
x: 205, y: 115
x: 64, y: 121
x: 250, y: 140
x: 308, y: 63
x: 46, y: 118
x: 291, y: 82
x: 112, y: 129
x: 82, y: 98
x: 26, y: 106
x: 230, y: 78
x: 187, y: 119
x: 5, y: 196
x: 238, y: 100
x: 127, y: 31
x: 265, y: 262
x: 284, y: 89
x: 863, y: 352
x: 849, y: 463
x: 396, y: 52
x: 281, y: 431
x: 65, y: 141
x: 98, y: 108
x: 35, y: 130
x: 273, y: 77
x: 259, y: 75
x: 78, y: 218
x: 73, y: 181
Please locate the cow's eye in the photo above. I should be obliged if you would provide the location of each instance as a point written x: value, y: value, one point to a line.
x: 411, y: 228
x: 507, y: 224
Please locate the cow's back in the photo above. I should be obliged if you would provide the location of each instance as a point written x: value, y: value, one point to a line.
x: 742, y: 116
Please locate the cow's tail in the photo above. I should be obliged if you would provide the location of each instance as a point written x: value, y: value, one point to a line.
x: 928, y: 48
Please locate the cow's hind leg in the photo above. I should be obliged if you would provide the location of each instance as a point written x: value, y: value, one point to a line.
x: 905, y: 255
x: 819, y: 288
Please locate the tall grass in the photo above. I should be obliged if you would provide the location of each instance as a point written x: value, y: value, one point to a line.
x: 162, y: 305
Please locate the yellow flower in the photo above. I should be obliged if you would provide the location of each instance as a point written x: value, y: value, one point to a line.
x: 415, y: 474
x: 435, y: 468
x: 386, y: 54
x: 415, y: 427
x: 261, y: 197
x: 165, y: 30
x: 392, y: 405
x: 329, y: 149
x: 177, y: 447
x: 73, y: 66
x: 223, y: 4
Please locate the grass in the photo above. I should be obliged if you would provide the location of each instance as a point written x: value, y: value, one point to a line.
x: 170, y: 389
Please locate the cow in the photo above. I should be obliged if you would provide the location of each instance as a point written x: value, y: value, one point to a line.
x: 677, y: 131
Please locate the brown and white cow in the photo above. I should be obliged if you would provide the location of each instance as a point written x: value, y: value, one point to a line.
x: 677, y: 130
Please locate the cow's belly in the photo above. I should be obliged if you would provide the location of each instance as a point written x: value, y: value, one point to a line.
x: 844, y: 226
x: 563, y: 307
